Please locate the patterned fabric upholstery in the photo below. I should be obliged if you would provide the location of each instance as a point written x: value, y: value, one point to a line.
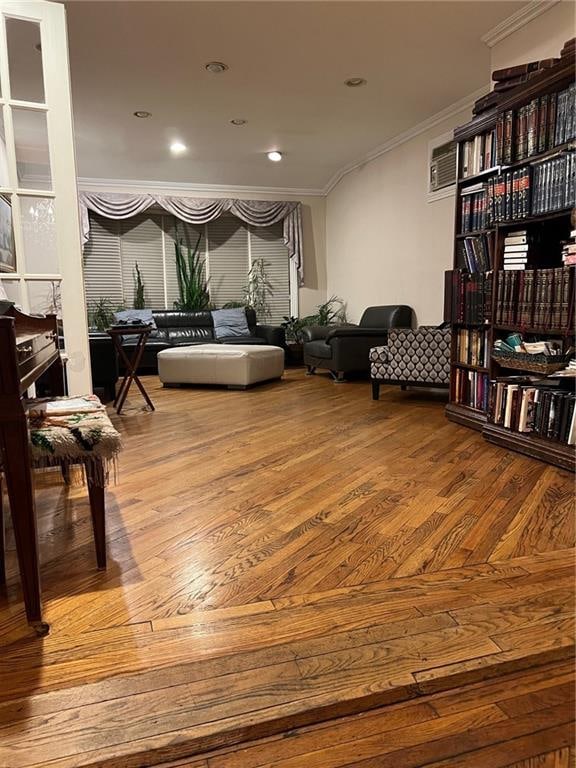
x: 421, y: 356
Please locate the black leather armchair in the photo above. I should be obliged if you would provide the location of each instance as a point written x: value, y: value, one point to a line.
x: 345, y: 348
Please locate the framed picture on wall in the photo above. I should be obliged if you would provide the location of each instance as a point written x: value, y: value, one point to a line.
x: 7, y: 253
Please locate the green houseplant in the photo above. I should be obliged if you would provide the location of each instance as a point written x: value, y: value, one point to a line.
x: 192, y: 285
x: 139, y: 301
x: 101, y: 314
x: 330, y: 312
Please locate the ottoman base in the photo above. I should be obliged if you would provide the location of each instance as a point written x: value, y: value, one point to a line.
x: 235, y: 366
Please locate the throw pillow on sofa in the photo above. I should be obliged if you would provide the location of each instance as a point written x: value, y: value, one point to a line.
x: 230, y: 322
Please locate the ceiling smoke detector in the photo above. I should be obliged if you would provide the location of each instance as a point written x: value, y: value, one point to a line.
x: 142, y: 113
x: 238, y: 121
x: 216, y: 67
x: 355, y: 82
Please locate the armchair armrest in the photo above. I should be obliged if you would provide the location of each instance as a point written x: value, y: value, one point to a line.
x: 315, y: 332
x: 274, y: 335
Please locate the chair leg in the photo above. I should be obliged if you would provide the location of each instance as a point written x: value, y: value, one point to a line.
x: 339, y: 377
x: 310, y: 370
x: 375, y: 389
x: 96, y: 493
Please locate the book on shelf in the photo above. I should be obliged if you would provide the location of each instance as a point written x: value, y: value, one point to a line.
x: 478, y: 154
x: 569, y: 250
x: 473, y: 347
x: 530, y: 405
x: 516, y: 250
x: 519, y: 70
x: 535, y: 298
x: 554, y: 184
x: 471, y: 388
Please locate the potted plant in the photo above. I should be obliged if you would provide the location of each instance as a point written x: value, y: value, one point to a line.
x: 139, y: 301
x: 192, y: 285
x: 331, y: 312
x: 259, y: 290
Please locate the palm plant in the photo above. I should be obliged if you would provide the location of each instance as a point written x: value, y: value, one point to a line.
x: 192, y: 285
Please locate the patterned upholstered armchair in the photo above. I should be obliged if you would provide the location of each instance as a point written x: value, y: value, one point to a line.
x: 412, y: 358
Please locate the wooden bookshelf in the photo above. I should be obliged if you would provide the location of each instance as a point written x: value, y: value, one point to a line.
x: 488, y: 232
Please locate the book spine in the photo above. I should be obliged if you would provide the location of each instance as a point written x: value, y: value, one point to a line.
x: 508, y: 136
x: 552, y: 120
x: 543, y: 123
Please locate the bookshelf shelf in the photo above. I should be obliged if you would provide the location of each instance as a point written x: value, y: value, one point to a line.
x: 550, y: 451
x: 512, y: 188
x: 474, y: 233
x: 467, y: 367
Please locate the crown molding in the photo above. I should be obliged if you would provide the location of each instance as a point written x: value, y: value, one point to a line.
x: 517, y: 20
x: 411, y: 133
x: 86, y: 184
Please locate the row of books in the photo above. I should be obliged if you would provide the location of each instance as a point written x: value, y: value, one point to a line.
x: 471, y: 388
x: 472, y: 347
x: 554, y: 184
x: 478, y: 154
x: 470, y: 296
x: 533, y: 406
x: 544, y: 123
x: 548, y: 186
x: 535, y: 298
x: 475, y: 211
x: 475, y: 253
x: 509, y: 195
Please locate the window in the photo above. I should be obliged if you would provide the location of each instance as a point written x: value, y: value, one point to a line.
x: 227, y: 246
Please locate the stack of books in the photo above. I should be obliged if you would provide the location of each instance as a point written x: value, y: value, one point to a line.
x: 471, y: 388
x: 569, y: 250
x: 516, y: 247
x: 475, y: 208
x: 479, y: 154
x: 472, y: 347
x: 531, y: 405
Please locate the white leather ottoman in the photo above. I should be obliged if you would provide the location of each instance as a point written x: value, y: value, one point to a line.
x: 233, y: 365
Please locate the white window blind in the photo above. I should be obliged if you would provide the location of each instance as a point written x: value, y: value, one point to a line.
x: 227, y: 247
x: 227, y: 259
x: 102, y: 264
x: 266, y: 244
x: 141, y: 242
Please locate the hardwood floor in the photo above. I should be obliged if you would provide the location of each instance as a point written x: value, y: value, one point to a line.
x: 279, y: 557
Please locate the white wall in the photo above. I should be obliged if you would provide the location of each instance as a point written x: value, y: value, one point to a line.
x: 313, y: 292
x: 385, y: 243
x: 541, y: 38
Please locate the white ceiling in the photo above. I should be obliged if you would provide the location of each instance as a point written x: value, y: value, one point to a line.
x: 287, y: 60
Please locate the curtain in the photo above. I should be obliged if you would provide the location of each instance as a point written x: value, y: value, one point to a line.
x: 258, y: 213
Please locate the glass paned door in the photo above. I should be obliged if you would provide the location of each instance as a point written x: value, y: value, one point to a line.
x: 40, y: 249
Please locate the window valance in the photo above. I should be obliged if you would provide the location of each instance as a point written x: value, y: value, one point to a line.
x: 258, y: 213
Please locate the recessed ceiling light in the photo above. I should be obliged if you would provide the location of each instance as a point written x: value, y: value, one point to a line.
x: 238, y: 121
x: 275, y: 156
x: 355, y: 82
x: 177, y: 147
x: 142, y: 113
x: 216, y: 67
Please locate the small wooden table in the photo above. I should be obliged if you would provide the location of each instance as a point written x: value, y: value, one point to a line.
x: 143, y: 332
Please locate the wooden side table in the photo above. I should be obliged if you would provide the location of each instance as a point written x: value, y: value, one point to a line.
x: 142, y: 332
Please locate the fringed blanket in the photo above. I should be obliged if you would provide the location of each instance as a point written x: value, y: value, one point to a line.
x: 66, y: 431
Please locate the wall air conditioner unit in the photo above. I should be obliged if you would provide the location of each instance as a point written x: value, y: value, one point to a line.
x: 442, y: 166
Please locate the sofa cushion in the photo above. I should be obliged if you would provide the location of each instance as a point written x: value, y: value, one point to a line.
x: 190, y: 335
x: 230, y: 322
x: 175, y: 318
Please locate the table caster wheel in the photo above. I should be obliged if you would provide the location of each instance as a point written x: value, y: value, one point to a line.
x: 41, y: 628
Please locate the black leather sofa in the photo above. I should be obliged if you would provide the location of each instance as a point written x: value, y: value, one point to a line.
x: 103, y: 363
x: 346, y: 348
x: 177, y: 328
